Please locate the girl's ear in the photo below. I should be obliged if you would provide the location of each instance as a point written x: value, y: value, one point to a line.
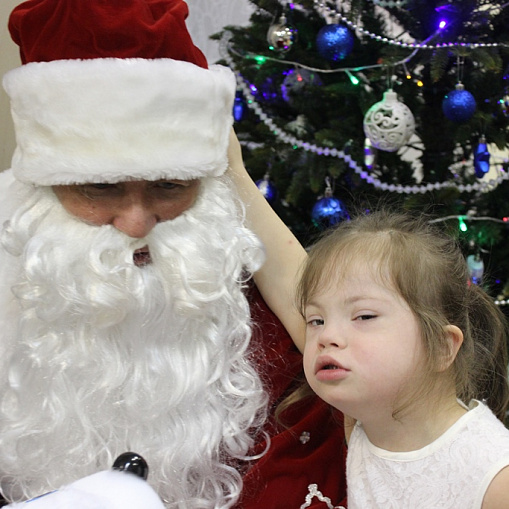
x: 454, y: 338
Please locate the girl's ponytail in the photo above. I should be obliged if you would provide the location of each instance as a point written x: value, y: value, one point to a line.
x: 488, y: 328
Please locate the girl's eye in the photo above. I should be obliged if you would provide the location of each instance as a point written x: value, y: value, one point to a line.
x: 315, y: 322
x: 365, y: 317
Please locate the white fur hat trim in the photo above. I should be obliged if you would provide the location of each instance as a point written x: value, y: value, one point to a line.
x: 108, y: 120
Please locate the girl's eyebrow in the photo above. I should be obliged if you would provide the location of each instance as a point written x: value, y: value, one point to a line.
x: 353, y: 299
x: 356, y: 298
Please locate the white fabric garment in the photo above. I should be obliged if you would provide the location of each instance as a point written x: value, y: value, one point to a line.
x: 104, y: 490
x: 454, y: 471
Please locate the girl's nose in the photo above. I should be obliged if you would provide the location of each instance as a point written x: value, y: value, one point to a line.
x: 331, y: 338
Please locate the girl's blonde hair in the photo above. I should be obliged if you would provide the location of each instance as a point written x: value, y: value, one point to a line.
x: 428, y: 270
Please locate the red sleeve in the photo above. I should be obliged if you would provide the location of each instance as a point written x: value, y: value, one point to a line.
x: 311, y: 448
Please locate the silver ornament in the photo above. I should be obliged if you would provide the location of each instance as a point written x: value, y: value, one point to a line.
x: 280, y: 36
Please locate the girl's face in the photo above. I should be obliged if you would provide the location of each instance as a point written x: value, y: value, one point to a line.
x: 363, y: 345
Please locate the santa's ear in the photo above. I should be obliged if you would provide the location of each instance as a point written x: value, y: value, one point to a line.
x: 454, y: 340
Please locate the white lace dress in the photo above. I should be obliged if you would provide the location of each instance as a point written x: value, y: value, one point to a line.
x: 452, y: 472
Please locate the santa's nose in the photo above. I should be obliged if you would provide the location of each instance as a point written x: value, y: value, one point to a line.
x: 135, y: 221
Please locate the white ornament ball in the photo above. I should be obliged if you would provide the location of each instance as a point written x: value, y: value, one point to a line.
x: 389, y: 124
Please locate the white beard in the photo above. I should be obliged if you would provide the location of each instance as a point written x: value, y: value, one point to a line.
x: 110, y: 357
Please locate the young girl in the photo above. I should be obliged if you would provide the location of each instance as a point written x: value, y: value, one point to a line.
x: 399, y: 340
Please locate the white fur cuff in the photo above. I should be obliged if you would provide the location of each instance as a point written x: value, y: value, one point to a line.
x: 105, y: 490
x: 108, y: 120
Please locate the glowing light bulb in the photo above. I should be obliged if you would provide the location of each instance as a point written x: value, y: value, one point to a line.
x: 354, y: 80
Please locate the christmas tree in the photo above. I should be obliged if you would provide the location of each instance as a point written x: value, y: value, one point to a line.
x: 343, y: 105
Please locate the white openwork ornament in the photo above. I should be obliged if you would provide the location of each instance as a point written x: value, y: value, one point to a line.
x: 389, y: 124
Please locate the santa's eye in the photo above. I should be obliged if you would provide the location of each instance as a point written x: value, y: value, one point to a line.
x: 96, y: 190
x: 167, y: 184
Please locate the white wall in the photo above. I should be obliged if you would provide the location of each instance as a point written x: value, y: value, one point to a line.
x: 9, y: 58
x: 206, y: 17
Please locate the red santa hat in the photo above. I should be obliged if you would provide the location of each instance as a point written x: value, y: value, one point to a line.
x: 114, y: 90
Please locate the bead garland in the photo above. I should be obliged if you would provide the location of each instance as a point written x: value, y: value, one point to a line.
x: 325, y: 11
x: 334, y: 152
x: 225, y: 47
x: 390, y: 3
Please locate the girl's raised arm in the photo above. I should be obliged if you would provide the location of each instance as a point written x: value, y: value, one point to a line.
x: 277, y: 279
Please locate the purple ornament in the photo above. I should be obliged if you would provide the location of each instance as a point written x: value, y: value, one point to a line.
x: 270, y: 91
x: 334, y: 42
x: 239, y: 107
x: 459, y: 105
x: 328, y: 211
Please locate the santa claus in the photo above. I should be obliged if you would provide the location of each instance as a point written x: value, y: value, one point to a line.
x: 126, y: 324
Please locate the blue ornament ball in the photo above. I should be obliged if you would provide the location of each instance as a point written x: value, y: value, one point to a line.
x: 334, y: 42
x: 481, y: 159
x: 267, y: 188
x: 459, y: 105
x: 328, y: 211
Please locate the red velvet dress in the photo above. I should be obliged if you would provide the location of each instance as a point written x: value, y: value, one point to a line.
x: 311, y: 448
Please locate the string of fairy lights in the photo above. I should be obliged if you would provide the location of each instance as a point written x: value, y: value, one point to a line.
x: 328, y: 12
x: 332, y: 15
x: 359, y: 169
